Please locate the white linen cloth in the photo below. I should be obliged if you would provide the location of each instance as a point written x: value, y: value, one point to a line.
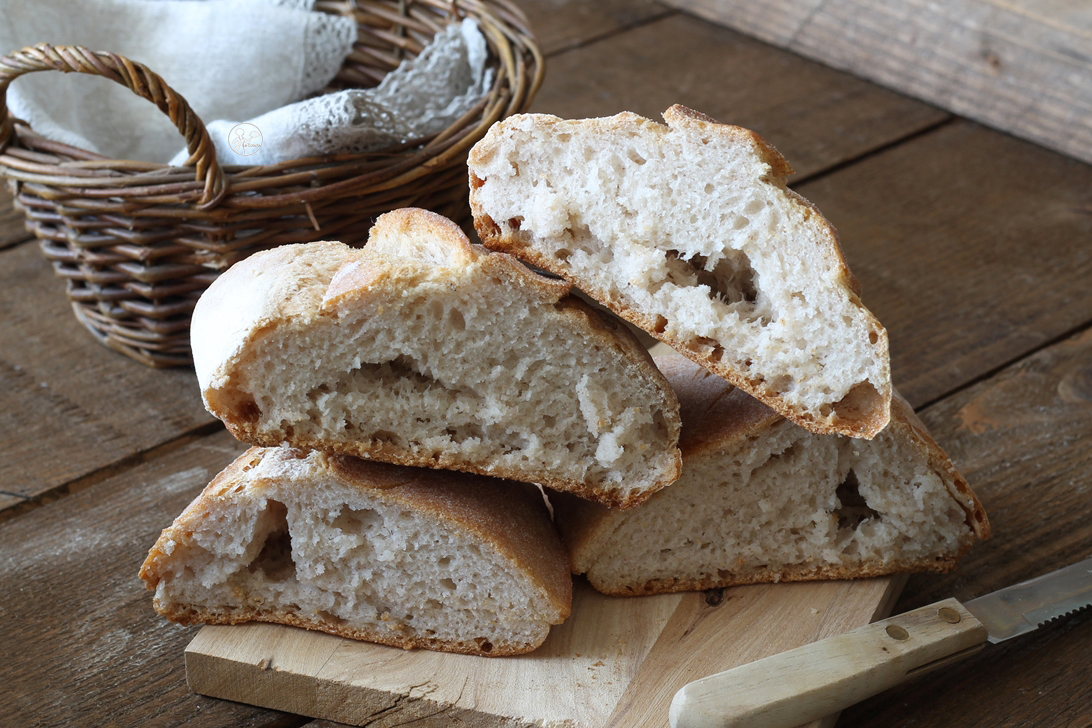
x: 227, y: 58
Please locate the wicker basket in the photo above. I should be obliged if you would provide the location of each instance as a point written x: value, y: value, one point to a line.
x: 138, y: 242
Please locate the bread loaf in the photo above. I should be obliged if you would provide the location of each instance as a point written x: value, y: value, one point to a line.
x: 402, y: 556
x: 689, y: 232
x: 421, y: 349
x: 762, y: 500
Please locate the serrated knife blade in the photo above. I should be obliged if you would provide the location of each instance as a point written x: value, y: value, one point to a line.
x: 1021, y: 608
x: 822, y: 678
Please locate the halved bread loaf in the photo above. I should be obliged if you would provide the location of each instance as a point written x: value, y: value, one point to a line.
x: 402, y: 556
x: 763, y: 500
x: 421, y: 349
x: 689, y: 232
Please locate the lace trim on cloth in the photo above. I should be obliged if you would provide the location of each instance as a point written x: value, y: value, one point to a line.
x: 324, y: 46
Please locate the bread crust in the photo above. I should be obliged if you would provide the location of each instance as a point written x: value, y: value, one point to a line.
x: 864, y: 422
x: 301, y: 283
x: 510, y: 518
x: 717, y: 416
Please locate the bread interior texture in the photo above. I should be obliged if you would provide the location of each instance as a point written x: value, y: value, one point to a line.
x: 327, y: 557
x: 468, y: 372
x: 694, y: 236
x: 787, y: 505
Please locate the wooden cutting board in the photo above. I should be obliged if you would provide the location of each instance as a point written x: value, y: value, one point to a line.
x: 615, y: 662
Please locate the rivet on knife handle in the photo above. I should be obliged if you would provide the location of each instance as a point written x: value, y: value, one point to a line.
x: 816, y: 680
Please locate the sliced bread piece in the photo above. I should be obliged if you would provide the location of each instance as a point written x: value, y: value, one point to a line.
x: 689, y: 232
x: 402, y: 556
x: 421, y: 349
x: 763, y: 500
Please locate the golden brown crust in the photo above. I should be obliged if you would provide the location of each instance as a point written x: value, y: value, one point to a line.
x: 510, y: 517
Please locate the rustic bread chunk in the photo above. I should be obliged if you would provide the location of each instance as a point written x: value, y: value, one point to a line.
x: 401, y: 556
x: 689, y: 232
x: 421, y: 349
x: 763, y: 500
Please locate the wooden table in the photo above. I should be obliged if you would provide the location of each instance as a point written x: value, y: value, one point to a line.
x: 973, y: 248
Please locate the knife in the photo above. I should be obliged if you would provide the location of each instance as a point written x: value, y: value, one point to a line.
x: 816, y: 680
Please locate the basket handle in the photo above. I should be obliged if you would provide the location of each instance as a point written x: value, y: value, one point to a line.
x: 138, y: 79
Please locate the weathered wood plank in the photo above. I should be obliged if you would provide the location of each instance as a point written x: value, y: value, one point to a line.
x: 972, y: 247
x: 69, y: 405
x: 561, y: 24
x: 82, y: 645
x: 1023, y: 439
x: 1018, y: 65
x: 815, y: 116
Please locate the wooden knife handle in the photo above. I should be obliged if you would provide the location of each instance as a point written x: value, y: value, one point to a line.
x: 816, y: 680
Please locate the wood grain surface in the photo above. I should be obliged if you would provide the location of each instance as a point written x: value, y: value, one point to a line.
x: 1021, y: 66
x: 562, y: 24
x: 972, y: 247
x: 68, y: 405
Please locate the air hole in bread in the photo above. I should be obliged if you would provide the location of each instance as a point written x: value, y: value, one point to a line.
x: 754, y: 207
x: 476, y: 181
x: 563, y: 254
x: 484, y: 645
x: 330, y: 617
x: 852, y: 508
x: 356, y: 520
x: 731, y: 281
x: 275, y: 557
x: 660, y: 325
x: 465, y: 432
x: 635, y: 157
x: 248, y: 410
x: 447, y: 584
x: 862, y: 398
x: 515, y: 222
x: 386, y: 436
x: 659, y: 421
x: 455, y: 320
x: 487, y: 227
